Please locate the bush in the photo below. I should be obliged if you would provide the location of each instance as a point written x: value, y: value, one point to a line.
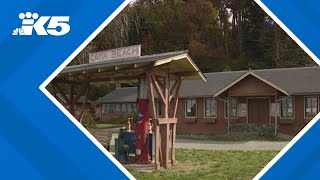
x: 89, y: 121
x: 252, y: 131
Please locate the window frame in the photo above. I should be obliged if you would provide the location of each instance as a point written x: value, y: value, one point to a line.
x: 112, y: 108
x: 185, y: 108
x: 117, y: 109
x: 293, y: 108
x: 107, y: 109
x: 225, y: 110
x: 134, y: 107
x: 205, y: 108
x: 304, y: 106
x: 128, y: 106
x: 123, y: 105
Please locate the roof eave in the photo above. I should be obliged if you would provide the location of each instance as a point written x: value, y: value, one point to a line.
x: 179, y: 57
x: 255, y: 75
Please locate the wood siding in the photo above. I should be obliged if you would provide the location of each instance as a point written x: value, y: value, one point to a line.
x: 251, y: 86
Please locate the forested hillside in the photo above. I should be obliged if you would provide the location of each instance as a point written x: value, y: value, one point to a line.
x: 219, y: 34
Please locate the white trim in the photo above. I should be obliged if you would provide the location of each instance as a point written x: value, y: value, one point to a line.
x: 185, y: 108
x: 256, y: 76
x: 196, y: 67
x: 304, y: 105
x: 204, y: 108
x: 315, y: 119
x: 43, y: 86
x: 178, y: 57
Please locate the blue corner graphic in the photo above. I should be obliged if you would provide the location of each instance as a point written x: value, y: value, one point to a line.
x: 300, y: 158
x: 37, y: 141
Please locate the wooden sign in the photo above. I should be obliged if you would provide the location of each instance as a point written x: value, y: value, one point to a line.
x: 242, y: 110
x: 113, y: 54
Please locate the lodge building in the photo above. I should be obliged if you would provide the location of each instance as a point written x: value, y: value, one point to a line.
x: 287, y: 98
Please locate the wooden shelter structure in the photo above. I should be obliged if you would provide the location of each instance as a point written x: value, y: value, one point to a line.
x: 159, y: 76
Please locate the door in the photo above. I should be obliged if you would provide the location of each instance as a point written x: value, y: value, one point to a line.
x: 258, y: 110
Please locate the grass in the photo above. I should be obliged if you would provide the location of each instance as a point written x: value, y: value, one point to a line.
x: 107, y: 126
x: 204, y: 137
x: 206, y: 164
x: 227, y: 138
x: 114, y: 123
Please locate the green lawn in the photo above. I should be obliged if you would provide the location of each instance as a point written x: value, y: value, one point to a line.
x: 206, y: 164
x: 205, y: 137
x: 228, y: 137
x: 115, y: 123
x: 106, y: 126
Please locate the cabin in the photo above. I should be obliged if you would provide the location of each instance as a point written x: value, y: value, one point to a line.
x: 119, y: 104
x: 286, y: 98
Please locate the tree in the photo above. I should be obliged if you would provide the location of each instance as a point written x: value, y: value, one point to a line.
x: 219, y: 34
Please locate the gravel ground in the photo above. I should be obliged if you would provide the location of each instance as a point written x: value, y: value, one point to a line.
x: 231, y: 145
x: 224, y: 145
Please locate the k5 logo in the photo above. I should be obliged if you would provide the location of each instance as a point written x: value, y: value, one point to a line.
x: 57, y: 26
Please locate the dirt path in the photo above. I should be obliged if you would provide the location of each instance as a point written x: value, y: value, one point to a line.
x: 224, y: 145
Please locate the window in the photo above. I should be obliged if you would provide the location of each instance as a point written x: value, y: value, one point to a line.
x: 123, y: 108
x: 112, y: 108
x: 191, y: 108
x: 118, y: 108
x: 105, y: 108
x: 210, y: 108
x: 128, y: 108
x: 159, y: 108
x: 234, y: 108
x: 134, y: 107
x: 287, y: 108
x: 310, y: 106
x: 131, y: 108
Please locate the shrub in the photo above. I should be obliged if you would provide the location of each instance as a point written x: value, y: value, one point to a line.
x: 89, y: 121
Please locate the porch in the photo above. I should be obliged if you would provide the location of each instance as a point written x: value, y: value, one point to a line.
x: 253, y: 101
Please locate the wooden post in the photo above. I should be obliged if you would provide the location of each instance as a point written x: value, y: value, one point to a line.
x: 165, y: 128
x: 174, y: 126
x: 71, y: 100
x: 142, y: 89
x: 84, y: 104
x: 155, y: 123
x: 173, y: 142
